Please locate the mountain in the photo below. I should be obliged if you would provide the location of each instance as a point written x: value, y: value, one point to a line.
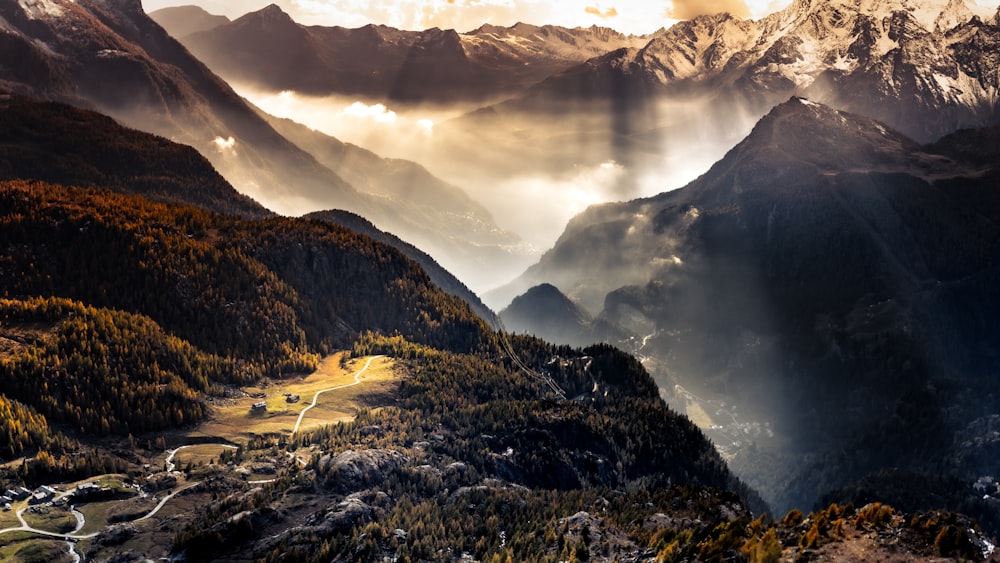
x: 185, y: 20
x: 442, y: 218
x: 923, y: 68
x: 267, y: 49
x: 546, y: 313
x: 62, y: 144
x: 826, y: 263
x: 110, y: 56
x: 75, y: 51
x: 134, y: 326
x: 667, y: 110
x: 441, y: 277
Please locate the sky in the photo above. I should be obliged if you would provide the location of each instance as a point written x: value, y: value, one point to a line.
x: 628, y: 16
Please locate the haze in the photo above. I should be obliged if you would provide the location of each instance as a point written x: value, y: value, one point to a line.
x: 627, y: 16
x: 533, y: 177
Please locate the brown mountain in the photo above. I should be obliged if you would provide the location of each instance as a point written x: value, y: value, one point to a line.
x: 185, y: 20
x: 62, y: 144
x: 269, y: 50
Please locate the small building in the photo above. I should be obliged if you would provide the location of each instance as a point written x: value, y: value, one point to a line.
x: 6, y: 507
x: 21, y: 493
x: 292, y: 398
x: 259, y: 406
x: 87, y: 488
x: 5, y: 499
x: 42, y: 494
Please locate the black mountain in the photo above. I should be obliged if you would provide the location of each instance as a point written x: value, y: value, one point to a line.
x: 828, y: 274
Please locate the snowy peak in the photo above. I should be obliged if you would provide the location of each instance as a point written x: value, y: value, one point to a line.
x: 705, y: 44
x: 925, y: 12
x: 39, y: 9
x: 553, y: 46
x: 954, y: 15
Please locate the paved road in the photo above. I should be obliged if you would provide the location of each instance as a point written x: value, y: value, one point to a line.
x: 357, y: 380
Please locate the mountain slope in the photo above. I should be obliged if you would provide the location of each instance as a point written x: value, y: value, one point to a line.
x: 437, y: 216
x: 64, y: 145
x: 267, y: 49
x: 922, y: 68
x: 441, y: 277
x: 826, y: 261
x: 546, y: 313
x: 185, y: 20
x: 177, y: 289
x: 111, y: 56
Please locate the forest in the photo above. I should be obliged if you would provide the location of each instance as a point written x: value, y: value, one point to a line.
x: 121, y: 314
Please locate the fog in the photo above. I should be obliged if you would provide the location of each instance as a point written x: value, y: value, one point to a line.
x: 532, y: 173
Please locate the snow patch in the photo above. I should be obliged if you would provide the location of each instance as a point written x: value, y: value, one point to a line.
x: 806, y: 102
x: 885, y: 45
x: 845, y: 64
x: 38, y: 9
x: 111, y: 54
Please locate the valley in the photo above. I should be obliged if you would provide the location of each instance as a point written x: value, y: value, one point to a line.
x: 722, y: 291
x: 82, y: 516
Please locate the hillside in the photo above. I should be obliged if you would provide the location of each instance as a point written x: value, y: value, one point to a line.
x: 439, y: 217
x: 185, y: 20
x: 546, y: 313
x: 61, y: 144
x: 826, y: 263
x: 135, y: 324
x: 111, y: 57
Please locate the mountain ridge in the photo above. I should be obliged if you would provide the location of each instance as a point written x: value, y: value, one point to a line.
x: 720, y: 286
x: 402, y: 66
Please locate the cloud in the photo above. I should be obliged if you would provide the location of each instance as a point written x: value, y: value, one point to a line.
x: 377, y: 112
x: 225, y: 144
x: 689, y: 9
x: 611, y: 12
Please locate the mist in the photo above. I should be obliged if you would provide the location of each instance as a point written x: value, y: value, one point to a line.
x: 533, y: 173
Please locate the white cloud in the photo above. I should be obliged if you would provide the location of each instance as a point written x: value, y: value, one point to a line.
x: 426, y: 125
x: 225, y: 144
x: 376, y: 112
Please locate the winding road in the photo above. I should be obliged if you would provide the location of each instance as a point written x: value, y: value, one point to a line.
x: 74, y: 536
x: 25, y: 527
x: 357, y: 376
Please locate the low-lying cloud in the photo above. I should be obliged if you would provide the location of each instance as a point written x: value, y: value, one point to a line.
x: 225, y: 145
x: 529, y: 173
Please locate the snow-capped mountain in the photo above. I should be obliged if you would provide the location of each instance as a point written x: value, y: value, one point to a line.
x: 927, y: 68
x: 268, y: 49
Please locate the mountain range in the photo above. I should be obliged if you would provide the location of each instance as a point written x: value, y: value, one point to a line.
x: 821, y: 303
x: 669, y: 109
x: 75, y: 51
x: 267, y: 49
x: 826, y: 263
